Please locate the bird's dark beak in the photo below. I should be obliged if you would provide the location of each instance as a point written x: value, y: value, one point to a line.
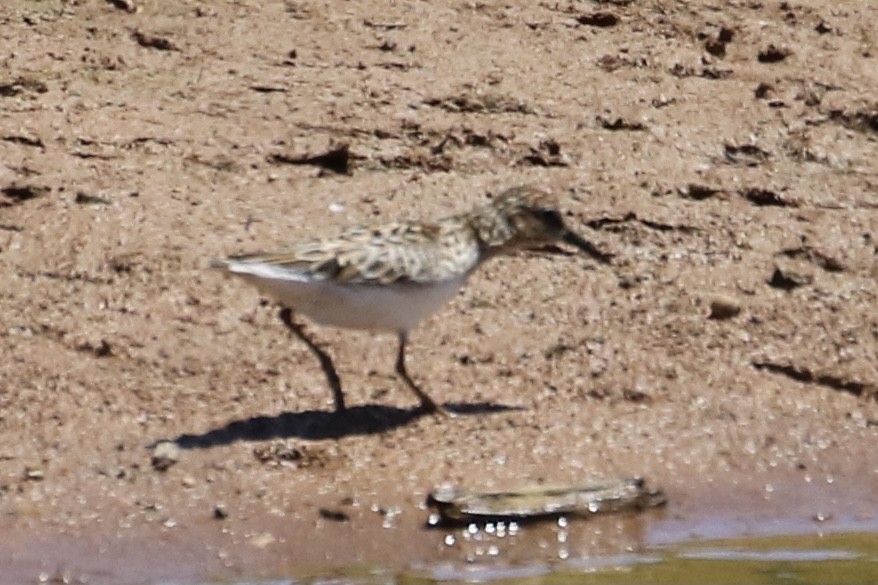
x: 575, y: 239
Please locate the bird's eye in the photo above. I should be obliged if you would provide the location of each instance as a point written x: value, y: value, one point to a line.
x: 551, y: 218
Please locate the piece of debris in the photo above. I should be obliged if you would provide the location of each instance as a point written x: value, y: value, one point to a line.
x: 773, y: 54
x: 396, y: 65
x: 24, y: 140
x: 220, y: 512
x: 34, y: 472
x: 765, y: 198
x: 217, y: 163
x: 822, y: 28
x: 456, y: 504
x: 269, y: 88
x: 387, y: 46
x: 715, y: 48
x: 707, y: 72
x: 636, y: 396
x: 863, y: 120
x: 748, y: 155
x: 165, y: 454
x: 662, y: 101
x: 723, y: 307
x: 716, y: 45
x: 126, y: 5
x: 557, y: 350
x: 618, y: 123
x: 100, y: 349
x: 698, y: 192
x: 548, y: 154
x: 810, y: 376
x: 278, y: 453
x: 763, y: 90
x: 83, y: 198
x: 19, y: 193
x: 263, y: 540
x: 482, y: 103
x: 725, y: 34
x: 284, y: 454
x: 151, y: 41
x: 21, y: 85
x: 816, y: 257
x: 616, y: 224
x: 334, y: 514
x: 787, y: 278
x: 598, y: 19
x: 384, y: 25
x: 610, y: 63
x: 336, y: 159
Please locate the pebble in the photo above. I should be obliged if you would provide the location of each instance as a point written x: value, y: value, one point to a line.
x: 263, y: 540
x: 165, y: 454
x: 787, y: 278
x: 220, y: 512
x: 723, y: 307
x: 34, y: 473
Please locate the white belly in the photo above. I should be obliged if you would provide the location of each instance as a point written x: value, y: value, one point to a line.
x: 397, y: 307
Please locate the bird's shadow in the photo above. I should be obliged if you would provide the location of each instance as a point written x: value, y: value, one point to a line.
x: 319, y: 424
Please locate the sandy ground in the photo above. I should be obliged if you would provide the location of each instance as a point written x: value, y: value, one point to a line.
x: 725, y: 152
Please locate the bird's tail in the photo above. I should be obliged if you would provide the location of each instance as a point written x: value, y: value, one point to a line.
x: 218, y: 264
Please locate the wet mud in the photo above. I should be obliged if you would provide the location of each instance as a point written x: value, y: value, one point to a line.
x: 723, y: 153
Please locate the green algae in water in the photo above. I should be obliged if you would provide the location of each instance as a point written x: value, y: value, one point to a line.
x: 834, y: 559
x: 838, y: 559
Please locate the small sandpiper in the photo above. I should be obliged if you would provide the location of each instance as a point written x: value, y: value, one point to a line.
x: 392, y: 277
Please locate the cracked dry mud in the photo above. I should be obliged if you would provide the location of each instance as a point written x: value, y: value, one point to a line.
x: 724, y: 152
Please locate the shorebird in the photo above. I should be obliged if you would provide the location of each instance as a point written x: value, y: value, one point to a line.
x: 392, y: 277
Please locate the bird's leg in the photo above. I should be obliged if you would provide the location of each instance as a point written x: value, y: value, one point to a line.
x: 427, y: 403
x: 286, y: 315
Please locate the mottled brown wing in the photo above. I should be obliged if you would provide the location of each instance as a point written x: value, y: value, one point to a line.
x: 382, y: 255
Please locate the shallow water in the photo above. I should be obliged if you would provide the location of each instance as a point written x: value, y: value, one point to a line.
x: 834, y: 559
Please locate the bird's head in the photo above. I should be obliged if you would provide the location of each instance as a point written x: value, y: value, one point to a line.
x: 527, y: 218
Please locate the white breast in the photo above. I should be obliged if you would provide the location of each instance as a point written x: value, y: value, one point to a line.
x: 395, y: 307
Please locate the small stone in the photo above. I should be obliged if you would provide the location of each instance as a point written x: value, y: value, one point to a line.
x: 725, y: 35
x: 598, y: 19
x: 165, y: 454
x: 34, y: 473
x: 787, y: 278
x: 263, y: 540
x: 723, y: 307
x: 188, y: 481
x: 823, y: 28
x: 762, y: 90
x: 333, y: 514
x: 220, y: 512
x: 773, y: 54
x: 126, y: 5
x: 715, y: 47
